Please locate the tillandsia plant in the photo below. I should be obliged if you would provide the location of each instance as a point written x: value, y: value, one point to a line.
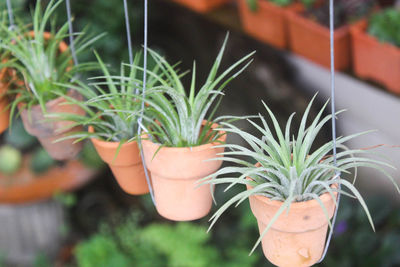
x: 385, y: 26
x: 289, y: 172
x: 42, y: 58
x: 179, y: 117
x: 113, y: 102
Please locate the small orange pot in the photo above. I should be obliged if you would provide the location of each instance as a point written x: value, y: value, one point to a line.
x: 126, y: 166
x: 375, y: 60
x: 49, y: 131
x: 296, y: 238
x: 202, y: 5
x: 174, y: 173
x: 312, y: 40
x: 268, y: 24
x: 4, y: 101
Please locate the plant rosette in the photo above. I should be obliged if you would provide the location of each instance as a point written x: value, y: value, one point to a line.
x: 311, y: 40
x: 125, y: 163
x: 175, y: 172
x: 292, y: 189
x: 267, y: 22
x: 301, y: 231
x: 49, y: 131
x: 375, y: 60
x: 202, y: 6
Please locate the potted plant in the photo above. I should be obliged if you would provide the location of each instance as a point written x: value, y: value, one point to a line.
x: 376, y: 50
x: 182, y: 137
x: 112, y: 108
x: 43, y: 59
x: 6, y: 77
x: 309, y: 30
x: 266, y: 20
x: 292, y: 190
x: 202, y: 5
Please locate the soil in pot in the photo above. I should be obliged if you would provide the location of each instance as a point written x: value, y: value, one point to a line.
x: 49, y: 131
x: 202, y: 5
x: 126, y: 164
x: 175, y: 172
x: 375, y: 60
x: 268, y: 23
x: 6, y: 77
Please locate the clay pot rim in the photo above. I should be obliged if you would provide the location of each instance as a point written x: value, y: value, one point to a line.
x: 49, y: 104
x: 109, y: 144
x: 359, y: 29
x: 294, y: 16
x: 199, y: 148
x: 325, y: 198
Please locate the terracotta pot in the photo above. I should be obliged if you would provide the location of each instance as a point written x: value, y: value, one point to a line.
x: 268, y: 24
x: 49, y: 131
x: 26, y: 186
x: 4, y: 101
x: 375, y: 60
x: 175, y: 172
x: 312, y: 40
x: 296, y: 238
x: 126, y: 166
x: 202, y: 5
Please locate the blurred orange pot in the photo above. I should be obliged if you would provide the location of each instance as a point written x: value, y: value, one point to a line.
x: 375, y: 60
x: 126, y: 166
x: 49, y: 131
x: 312, y: 40
x: 267, y: 24
x: 174, y: 173
x: 4, y: 102
x: 297, y: 238
x: 202, y: 5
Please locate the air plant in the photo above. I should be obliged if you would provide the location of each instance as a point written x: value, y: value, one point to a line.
x: 288, y: 170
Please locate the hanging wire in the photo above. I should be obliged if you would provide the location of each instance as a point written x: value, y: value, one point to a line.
x: 10, y: 15
x: 71, y: 32
x: 128, y: 32
x: 333, y: 108
x: 144, y: 86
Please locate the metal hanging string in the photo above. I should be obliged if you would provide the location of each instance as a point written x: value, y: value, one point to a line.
x: 128, y: 32
x: 71, y: 32
x: 333, y: 108
x: 10, y: 15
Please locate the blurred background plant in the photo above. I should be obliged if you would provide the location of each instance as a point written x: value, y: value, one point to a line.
x: 385, y: 25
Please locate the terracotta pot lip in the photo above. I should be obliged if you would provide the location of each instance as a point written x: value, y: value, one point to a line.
x: 199, y: 148
x: 359, y: 29
x: 326, y: 197
x: 295, y: 16
x: 108, y: 144
x: 49, y: 104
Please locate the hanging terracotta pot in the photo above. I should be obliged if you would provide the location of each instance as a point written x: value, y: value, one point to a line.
x: 126, y: 164
x: 48, y: 131
x: 312, y: 40
x: 175, y: 172
x: 202, y: 5
x: 4, y: 101
x: 267, y: 24
x: 297, y: 238
x: 375, y: 60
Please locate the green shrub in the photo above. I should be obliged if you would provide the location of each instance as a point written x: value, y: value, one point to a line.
x: 385, y: 26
